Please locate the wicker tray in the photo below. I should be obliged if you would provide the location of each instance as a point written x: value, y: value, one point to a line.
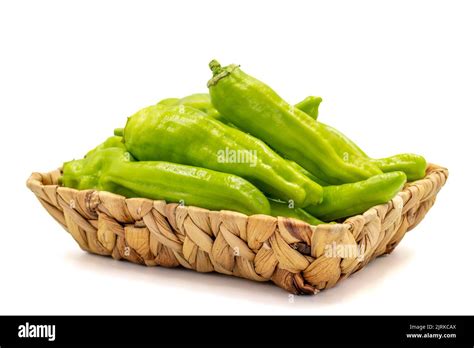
x: 296, y: 256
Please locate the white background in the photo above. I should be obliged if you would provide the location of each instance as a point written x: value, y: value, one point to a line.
x: 396, y: 76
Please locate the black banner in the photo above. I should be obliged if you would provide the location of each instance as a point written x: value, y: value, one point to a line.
x: 192, y: 330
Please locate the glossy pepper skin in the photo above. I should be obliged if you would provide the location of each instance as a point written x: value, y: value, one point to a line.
x: 84, y: 173
x: 110, y: 167
x: 182, y: 134
x: 344, y: 147
x: 344, y: 144
x: 200, y: 101
x: 310, y: 105
x: 255, y: 108
x: 414, y: 166
x: 355, y: 198
x: 279, y: 208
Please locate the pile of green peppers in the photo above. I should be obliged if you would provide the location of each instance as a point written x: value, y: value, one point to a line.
x: 242, y: 147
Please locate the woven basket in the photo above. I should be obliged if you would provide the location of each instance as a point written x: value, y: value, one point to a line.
x: 296, y: 256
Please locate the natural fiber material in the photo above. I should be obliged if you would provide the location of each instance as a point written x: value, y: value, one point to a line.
x: 297, y: 257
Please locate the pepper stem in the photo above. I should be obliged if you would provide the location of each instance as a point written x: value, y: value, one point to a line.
x: 215, y: 67
x: 118, y: 132
x: 219, y: 72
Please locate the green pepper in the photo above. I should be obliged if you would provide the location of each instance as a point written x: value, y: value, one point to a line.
x: 344, y: 145
x: 346, y: 149
x: 85, y: 173
x: 355, y: 198
x: 185, y: 135
x: 414, y: 166
x: 200, y: 101
x: 282, y: 209
x: 255, y: 108
x: 310, y: 105
x: 110, y: 167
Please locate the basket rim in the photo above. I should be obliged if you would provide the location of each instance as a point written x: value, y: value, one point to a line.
x: 38, y: 181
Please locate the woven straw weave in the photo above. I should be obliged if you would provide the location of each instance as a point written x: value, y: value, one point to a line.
x: 297, y: 257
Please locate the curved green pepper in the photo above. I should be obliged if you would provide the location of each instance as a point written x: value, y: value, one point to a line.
x: 355, y: 198
x: 346, y: 149
x: 109, y: 167
x: 414, y: 166
x: 282, y: 209
x: 185, y: 135
x: 343, y: 144
x: 336, y: 138
x: 256, y: 108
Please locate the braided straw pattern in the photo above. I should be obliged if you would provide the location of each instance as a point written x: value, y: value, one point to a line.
x: 296, y: 256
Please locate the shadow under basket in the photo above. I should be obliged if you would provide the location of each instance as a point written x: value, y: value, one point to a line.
x: 296, y: 256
